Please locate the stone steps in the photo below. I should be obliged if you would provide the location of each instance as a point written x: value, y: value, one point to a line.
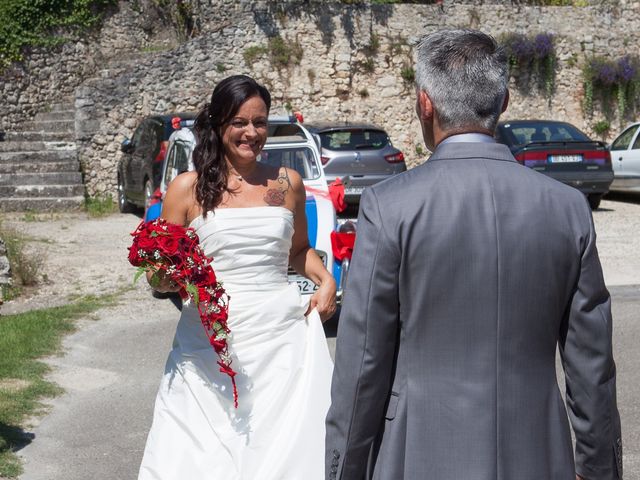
x: 39, y: 167
x: 40, y: 204
x: 43, y: 178
x: 61, y: 115
x: 50, y: 125
x: 38, y: 156
x: 34, y: 191
x: 35, y: 136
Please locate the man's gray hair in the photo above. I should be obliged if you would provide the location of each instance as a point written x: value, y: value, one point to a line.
x: 465, y: 74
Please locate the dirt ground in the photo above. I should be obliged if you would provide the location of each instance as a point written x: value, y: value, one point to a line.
x: 82, y: 256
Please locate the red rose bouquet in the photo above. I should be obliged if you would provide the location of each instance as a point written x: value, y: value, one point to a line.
x: 159, y: 246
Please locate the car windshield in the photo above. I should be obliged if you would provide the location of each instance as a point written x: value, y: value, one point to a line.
x: 300, y: 159
x: 518, y: 134
x: 354, y: 139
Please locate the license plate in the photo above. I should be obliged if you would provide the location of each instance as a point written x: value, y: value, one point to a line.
x: 306, y: 286
x: 565, y: 158
x: 354, y: 190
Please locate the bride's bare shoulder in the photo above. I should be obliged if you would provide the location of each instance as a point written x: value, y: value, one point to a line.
x: 180, y: 204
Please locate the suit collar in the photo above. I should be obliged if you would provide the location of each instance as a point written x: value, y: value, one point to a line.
x: 460, y: 150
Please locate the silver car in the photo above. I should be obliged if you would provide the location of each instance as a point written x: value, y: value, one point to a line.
x: 359, y: 154
x: 625, y: 159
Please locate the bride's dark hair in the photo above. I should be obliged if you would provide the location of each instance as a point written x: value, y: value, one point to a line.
x: 208, y: 155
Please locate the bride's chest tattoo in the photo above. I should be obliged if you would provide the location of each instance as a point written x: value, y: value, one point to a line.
x: 275, y: 195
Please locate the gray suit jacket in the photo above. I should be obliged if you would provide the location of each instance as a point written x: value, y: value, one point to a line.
x: 468, y: 272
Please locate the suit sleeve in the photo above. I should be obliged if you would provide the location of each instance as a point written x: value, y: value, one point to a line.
x: 365, y: 347
x: 590, y: 371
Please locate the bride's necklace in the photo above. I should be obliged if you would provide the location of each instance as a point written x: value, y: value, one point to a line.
x: 239, y: 177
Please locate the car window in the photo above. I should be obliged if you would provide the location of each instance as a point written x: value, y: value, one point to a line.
x: 137, y: 135
x: 300, y: 159
x: 177, y: 161
x: 520, y: 134
x: 636, y: 144
x: 354, y: 139
x: 623, y: 141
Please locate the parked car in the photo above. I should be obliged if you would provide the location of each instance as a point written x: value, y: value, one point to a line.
x: 290, y: 145
x: 140, y: 166
x: 625, y: 159
x: 561, y: 151
x: 361, y: 152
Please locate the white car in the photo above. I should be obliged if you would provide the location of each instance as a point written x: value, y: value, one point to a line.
x: 625, y: 160
x: 291, y: 145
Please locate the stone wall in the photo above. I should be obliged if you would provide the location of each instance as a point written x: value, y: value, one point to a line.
x: 351, y: 66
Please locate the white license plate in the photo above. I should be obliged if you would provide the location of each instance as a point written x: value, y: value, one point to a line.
x: 353, y: 190
x: 565, y: 158
x: 306, y: 286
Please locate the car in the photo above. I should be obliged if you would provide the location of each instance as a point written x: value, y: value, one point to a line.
x: 290, y: 145
x: 560, y: 151
x: 360, y: 154
x: 625, y: 159
x: 140, y: 167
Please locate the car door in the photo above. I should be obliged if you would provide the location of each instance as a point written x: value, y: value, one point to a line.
x: 631, y: 165
x: 142, y: 156
x: 625, y: 159
x: 132, y: 163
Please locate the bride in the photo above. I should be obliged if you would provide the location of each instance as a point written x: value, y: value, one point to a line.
x: 250, y: 218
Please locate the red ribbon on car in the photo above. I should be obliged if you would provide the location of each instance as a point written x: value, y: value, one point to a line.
x: 342, y: 244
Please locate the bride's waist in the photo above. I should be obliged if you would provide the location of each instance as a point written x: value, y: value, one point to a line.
x: 253, y: 282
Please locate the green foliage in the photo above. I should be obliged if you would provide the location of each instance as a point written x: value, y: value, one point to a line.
x: 284, y: 52
x: 419, y: 150
x: 251, y: 54
x: 531, y: 57
x: 24, y: 339
x: 368, y: 65
x: 397, y: 44
x: 100, y: 206
x: 611, y: 83
x: 363, y: 92
x: 25, y: 266
x: 408, y: 74
x: 220, y: 67
x: 38, y: 23
x: 601, y: 127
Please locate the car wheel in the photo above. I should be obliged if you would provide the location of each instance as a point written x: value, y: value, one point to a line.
x: 148, y: 194
x: 123, y: 203
x: 594, y: 201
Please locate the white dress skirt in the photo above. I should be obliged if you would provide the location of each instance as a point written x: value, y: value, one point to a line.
x: 281, y: 358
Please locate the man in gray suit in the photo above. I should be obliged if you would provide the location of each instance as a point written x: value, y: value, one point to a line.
x: 468, y: 272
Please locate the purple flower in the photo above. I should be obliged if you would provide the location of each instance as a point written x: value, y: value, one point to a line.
x: 519, y: 47
x: 603, y: 72
x: 543, y: 45
x: 626, y: 69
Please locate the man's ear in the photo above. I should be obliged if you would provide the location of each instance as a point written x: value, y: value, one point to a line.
x: 426, y: 107
x: 505, y: 102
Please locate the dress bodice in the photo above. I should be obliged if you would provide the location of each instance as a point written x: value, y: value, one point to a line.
x: 249, y: 246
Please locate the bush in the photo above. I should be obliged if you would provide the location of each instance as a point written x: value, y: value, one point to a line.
x: 25, y: 267
x: 29, y: 23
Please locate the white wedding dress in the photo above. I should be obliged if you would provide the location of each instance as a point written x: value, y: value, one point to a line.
x: 281, y: 358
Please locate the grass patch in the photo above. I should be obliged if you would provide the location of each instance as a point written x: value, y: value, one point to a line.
x: 24, y: 339
x: 100, y: 206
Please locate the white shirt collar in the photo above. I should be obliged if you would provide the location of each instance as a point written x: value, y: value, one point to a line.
x: 468, y: 138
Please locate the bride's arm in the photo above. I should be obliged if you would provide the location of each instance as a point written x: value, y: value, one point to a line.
x: 305, y: 260
x: 179, y: 202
